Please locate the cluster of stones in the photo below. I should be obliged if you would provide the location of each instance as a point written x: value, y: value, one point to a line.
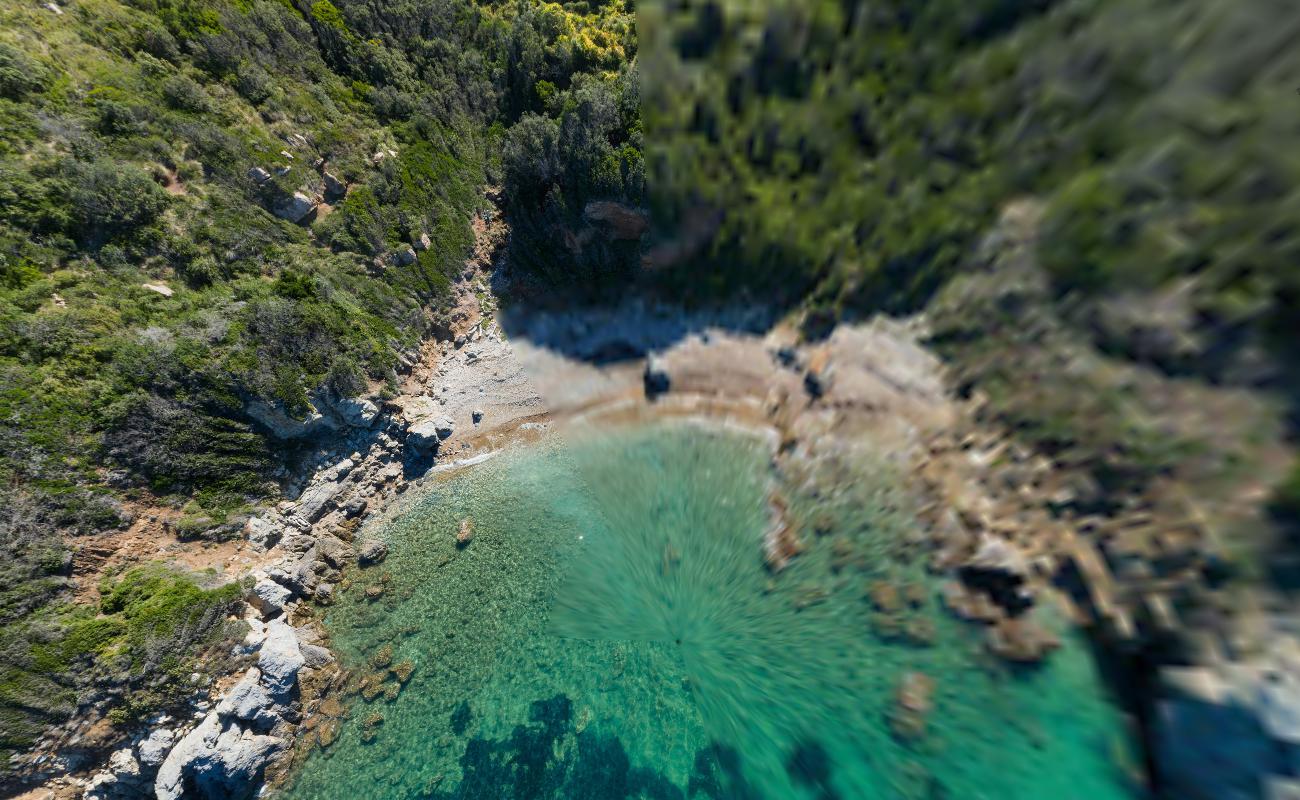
x: 300, y: 204
x: 1223, y: 721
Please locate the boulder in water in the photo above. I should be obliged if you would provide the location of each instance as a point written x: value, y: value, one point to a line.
x: 913, y: 700
x: 465, y: 533
x: 373, y: 551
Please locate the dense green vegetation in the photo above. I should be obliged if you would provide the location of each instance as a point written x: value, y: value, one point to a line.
x: 140, y: 644
x: 859, y: 149
x: 853, y: 156
x: 154, y: 281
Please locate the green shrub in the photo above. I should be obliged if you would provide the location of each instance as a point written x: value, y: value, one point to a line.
x: 20, y: 75
x: 164, y: 614
x: 110, y: 198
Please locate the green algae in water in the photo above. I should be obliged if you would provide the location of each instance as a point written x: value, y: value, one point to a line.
x: 611, y: 632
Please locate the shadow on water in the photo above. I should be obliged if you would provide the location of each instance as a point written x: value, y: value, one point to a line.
x: 548, y: 759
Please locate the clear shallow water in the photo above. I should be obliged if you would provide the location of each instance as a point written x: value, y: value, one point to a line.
x: 611, y: 632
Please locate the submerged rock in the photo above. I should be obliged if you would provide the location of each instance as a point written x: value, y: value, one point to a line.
x: 781, y: 542
x: 912, y: 703
x: 465, y: 533
x: 373, y: 551
x: 1020, y: 640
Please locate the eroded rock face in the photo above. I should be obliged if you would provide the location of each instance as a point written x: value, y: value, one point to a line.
x: 282, y: 426
x: 224, y: 757
x: 216, y: 761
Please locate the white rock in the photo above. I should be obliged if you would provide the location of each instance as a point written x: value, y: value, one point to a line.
x: 161, y: 288
x: 152, y: 749
x: 249, y: 701
x: 280, y: 659
x: 357, y: 412
x: 294, y: 208
x: 215, y: 760
x: 270, y: 597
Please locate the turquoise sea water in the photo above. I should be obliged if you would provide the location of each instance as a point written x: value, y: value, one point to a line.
x: 611, y: 632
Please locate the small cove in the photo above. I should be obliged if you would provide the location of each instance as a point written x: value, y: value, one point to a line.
x: 611, y: 631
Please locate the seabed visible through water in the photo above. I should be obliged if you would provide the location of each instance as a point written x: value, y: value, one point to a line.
x: 611, y: 631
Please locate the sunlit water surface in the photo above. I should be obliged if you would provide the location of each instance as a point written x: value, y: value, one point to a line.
x: 612, y: 632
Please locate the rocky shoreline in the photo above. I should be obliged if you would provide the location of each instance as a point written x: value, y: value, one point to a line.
x: 992, y: 514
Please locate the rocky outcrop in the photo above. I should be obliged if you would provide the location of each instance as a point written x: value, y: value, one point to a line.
x: 1000, y: 571
x: 281, y: 425
x: 262, y: 532
x: 280, y: 658
x: 218, y: 760
x: 425, y: 435
x: 1231, y: 731
x: 313, y: 502
x: 269, y: 597
x: 334, y: 188
x: 294, y: 208
x: 357, y: 412
x: 226, y: 754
